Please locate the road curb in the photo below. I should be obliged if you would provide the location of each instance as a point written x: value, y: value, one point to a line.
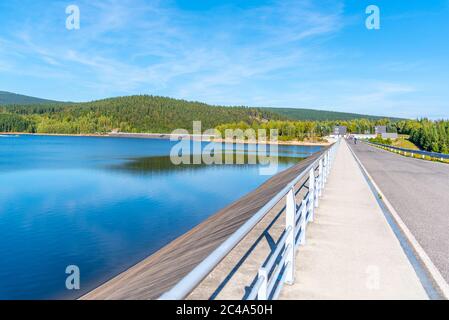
x: 431, y: 269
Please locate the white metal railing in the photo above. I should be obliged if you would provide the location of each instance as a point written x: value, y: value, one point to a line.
x: 411, y: 152
x: 280, y: 267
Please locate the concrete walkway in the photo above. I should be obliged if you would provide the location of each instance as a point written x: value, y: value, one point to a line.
x: 351, y: 251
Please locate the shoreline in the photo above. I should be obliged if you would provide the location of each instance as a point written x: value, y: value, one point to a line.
x: 283, y: 143
x: 168, y: 136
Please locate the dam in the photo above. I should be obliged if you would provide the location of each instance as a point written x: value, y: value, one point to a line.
x: 314, y: 231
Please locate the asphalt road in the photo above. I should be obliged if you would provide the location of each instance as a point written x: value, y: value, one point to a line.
x: 419, y: 192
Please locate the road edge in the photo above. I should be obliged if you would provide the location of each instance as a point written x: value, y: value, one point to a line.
x: 425, y: 260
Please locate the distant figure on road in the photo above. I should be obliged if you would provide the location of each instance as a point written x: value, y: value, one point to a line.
x: 355, y: 140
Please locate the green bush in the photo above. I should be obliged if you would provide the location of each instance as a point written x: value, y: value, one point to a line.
x: 380, y: 140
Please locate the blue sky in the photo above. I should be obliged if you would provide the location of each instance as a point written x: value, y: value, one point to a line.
x: 291, y: 53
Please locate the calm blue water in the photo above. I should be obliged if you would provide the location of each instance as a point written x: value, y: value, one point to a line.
x: 102, y: 204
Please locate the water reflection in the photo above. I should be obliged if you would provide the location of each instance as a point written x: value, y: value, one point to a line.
x: 102, y: 204
x: 163, y: 164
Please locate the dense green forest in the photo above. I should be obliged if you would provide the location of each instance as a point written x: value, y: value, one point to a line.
x: 14, y: 98
x: 143, y: 114
x: 309, y: 130
x: 152, y: 114
x: 320, y: 115
x: 15, y: 123
x: 127, y: 114
x: 428, y: 135
x: 134, y: 114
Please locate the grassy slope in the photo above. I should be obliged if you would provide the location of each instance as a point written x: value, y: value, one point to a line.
x: 403, y: 142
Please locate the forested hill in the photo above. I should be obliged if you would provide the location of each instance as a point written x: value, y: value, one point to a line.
x: 7, y: 98
x: 138, y: 114
x: 320, y: 115
x: 163, y: 115
x: 128, y: 114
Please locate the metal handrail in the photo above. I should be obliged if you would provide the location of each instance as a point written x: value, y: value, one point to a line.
x: 279, y: 268
x: 194, y: 277
x: 253, y: 294
x: 412, y: 152
x: 269, y: 265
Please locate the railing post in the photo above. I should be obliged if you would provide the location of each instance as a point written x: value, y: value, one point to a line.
x: 311, y: 194
x: 320, y: 175
x: 325, y: 168
x: 262, y: 294
x: 290, y: 222
x: 302, y: 237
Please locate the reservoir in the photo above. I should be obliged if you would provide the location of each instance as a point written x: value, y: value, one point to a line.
x: 102, y: 204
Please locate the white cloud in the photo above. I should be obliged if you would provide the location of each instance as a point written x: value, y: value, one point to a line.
x: 143, y: 46
x: 273, y: 55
